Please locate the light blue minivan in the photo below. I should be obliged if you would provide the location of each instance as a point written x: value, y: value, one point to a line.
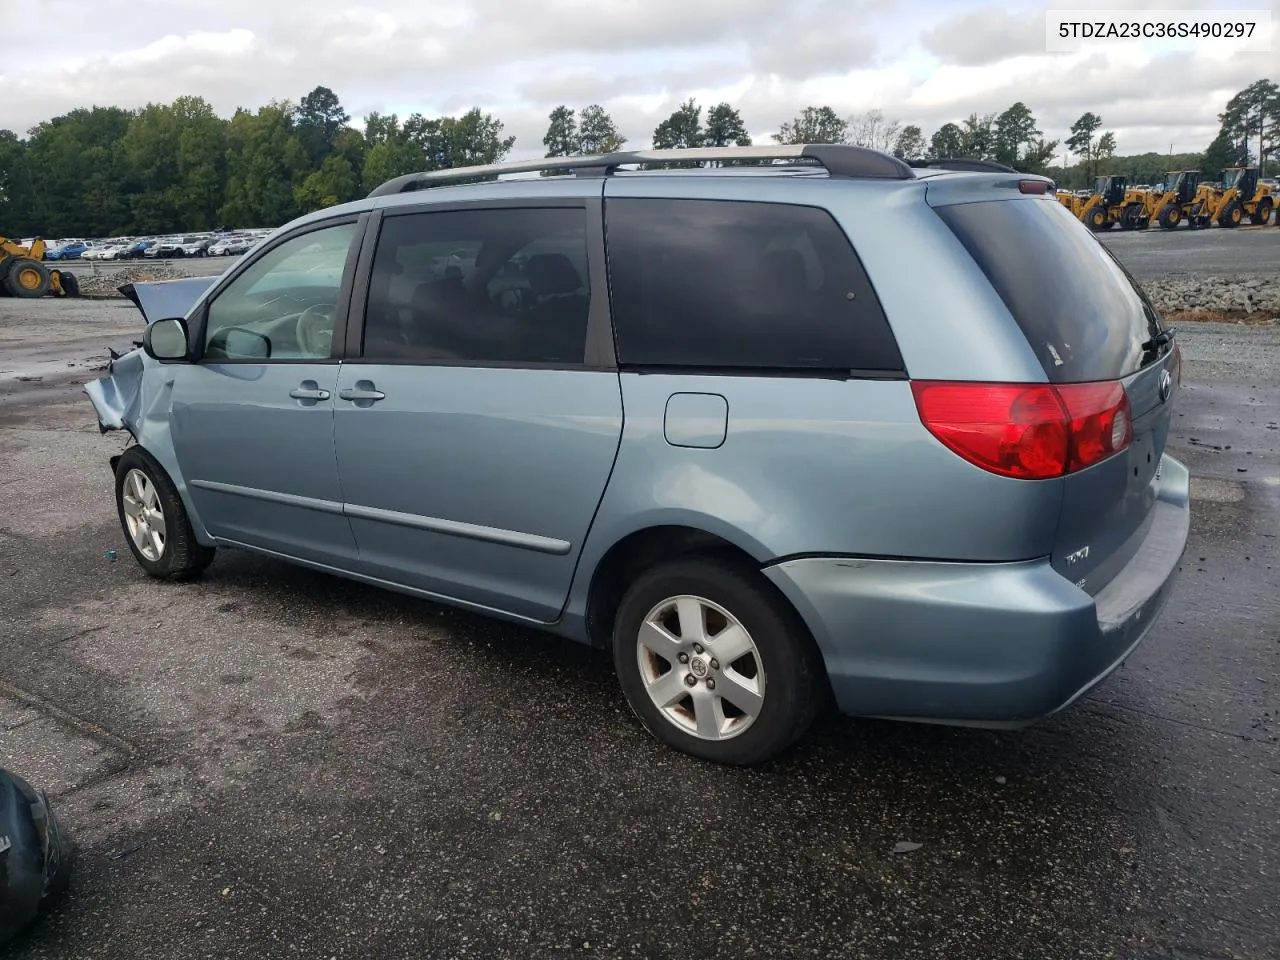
x: 805, y: 425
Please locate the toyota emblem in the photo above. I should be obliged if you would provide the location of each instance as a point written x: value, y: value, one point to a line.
x: 1166, y: 385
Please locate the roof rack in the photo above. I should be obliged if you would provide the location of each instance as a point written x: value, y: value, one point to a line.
x: 839, y: 160
x: 962, y: 163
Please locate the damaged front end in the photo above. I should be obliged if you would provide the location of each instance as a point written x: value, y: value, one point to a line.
x: 122, y: 397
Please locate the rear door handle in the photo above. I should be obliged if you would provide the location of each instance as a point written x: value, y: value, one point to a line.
x: 363, y: 390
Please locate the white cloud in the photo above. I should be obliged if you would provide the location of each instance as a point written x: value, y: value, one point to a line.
x: 924, y: 62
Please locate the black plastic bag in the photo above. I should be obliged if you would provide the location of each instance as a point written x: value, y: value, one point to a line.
x: 35, y: 856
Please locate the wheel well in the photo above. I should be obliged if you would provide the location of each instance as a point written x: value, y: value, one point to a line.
x: 639, y: 551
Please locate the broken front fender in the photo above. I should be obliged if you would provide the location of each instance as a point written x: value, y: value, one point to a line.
x: 117, y: 397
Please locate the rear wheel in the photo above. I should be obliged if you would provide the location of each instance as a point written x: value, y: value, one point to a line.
x: 1097, y: 219
x: 27, y: 278
x: 70, y: 285
x: 714, y: 663
x: 1232, y: 215
x: 1261, y: 213
x: 154, y: 521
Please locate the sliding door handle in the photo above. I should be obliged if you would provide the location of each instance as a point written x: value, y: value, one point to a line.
x: 363, y: 391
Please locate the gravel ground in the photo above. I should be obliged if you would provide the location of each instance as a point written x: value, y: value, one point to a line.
x: 275, y: 763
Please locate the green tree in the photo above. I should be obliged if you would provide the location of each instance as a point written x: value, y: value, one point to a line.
x: 910, y: 144
x: 597, y: 133
x: 947, y: 142
x: 1082, y: 141
x: 978, y: 136
x: 335, y: 182
x: 561, y: 139
x: 472, y: 139
x: 317, y: 120
x: 1015, y: 131
x: 680, y: 131
x: 1253, y: 116
x: 266, y: 162
x: 79, y: 176
x: 1225, y: 151
x: 814, y: 125
x: 17, y: 191
x: 725, y: 128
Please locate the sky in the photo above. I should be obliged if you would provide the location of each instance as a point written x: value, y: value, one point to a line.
x: 919, y: 61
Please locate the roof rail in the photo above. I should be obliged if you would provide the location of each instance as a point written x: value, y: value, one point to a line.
x: 963, y: 163
x: 839, y: 160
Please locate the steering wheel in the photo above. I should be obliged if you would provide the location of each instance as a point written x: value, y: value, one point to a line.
x: 315, y: 330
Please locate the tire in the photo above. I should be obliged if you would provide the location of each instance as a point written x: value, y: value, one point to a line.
x: 70, y: 285
x: 1261, y: 213
x: 1097, y: 219
x: 179, y: 556
x: 781, y: 665
x: 1170, y: 216
x: 1232, y: 215
x: 27, y: 278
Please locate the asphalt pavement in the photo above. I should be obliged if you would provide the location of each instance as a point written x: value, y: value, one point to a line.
x: 1210, y: 251
x: 271, y: 762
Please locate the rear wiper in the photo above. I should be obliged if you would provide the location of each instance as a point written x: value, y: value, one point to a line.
x: 1158, y: 341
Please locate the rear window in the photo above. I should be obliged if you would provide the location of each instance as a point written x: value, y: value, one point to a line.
x: 740, y: 285
x: 1080, y: 309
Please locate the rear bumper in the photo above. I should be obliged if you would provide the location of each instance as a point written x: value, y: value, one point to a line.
x: 991, y: 644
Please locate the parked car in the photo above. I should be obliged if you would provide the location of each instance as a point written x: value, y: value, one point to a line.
x: 232, y: 246
x: 73, y: 250
x: 178, y: 247
x: 757, y: 459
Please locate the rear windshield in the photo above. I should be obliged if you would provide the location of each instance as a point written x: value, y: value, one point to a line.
x: 1080, y: 309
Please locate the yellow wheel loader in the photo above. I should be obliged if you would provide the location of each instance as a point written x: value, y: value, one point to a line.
x: 1168, y: 206
x: 23, y: 273
x: 1241, y: 195
x: 1110, y: 202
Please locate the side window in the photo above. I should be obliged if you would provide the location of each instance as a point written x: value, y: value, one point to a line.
x: 480, y: 286
x: 282, y: 306
x: 712, y: 283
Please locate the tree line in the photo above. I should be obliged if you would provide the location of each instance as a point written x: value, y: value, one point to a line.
x: 104, y: 171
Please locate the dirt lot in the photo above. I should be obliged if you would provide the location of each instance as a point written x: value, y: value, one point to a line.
x: 275, y: 763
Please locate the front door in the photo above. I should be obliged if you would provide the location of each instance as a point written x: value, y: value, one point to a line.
x: 474, y: 439
x: 252, y: 421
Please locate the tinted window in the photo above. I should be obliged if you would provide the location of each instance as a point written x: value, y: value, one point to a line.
x: 1081, y: 311
x: 709, y: 283
x: 282, y: 306
x: 480, y: 286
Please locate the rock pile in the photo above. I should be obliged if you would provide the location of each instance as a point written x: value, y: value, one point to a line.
x: 107, y: 283
x: 1238, y: 297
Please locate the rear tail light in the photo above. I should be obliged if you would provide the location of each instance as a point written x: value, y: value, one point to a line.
x: 1027, y: 431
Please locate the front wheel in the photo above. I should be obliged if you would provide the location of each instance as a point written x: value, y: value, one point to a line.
x: 1261, y: 213
x: 154, y: 520
x: 714, y: 662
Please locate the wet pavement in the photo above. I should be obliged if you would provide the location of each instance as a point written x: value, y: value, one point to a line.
x: 275, y: 763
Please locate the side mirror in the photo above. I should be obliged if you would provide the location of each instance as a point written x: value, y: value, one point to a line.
x: 166, y: 340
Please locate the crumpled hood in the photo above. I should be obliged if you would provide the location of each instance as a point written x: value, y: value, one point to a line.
x: 166, y: 299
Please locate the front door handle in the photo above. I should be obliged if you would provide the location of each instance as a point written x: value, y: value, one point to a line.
x: 307, y: 390
x: 364, y: 390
